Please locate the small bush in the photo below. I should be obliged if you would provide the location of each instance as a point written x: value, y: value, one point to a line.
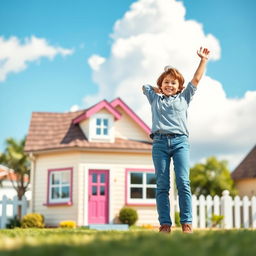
x: 32, y: 220
x: 13, y: 222
x: 147, y: 226
x: 128, y: 216
x: 67, y: 224
x: 216, y: 219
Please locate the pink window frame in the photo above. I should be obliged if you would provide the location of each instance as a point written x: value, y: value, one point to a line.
x: 68, y: 203
x: 127, y: 170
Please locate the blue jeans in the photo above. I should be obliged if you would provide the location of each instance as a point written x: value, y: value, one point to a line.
x: 164, y: 148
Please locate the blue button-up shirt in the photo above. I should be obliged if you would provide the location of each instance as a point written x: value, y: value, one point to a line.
x: 169, y: 113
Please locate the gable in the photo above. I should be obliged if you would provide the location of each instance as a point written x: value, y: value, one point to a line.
x: 127, y: 128
x: 119, y: 103
x: 95, y: 109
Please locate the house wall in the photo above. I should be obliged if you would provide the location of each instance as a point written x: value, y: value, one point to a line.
x: 127, y: 128
x: 246, y: 187
x: 54, y: 214
x: 82, y: 162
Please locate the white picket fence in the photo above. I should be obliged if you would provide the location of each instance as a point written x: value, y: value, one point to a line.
x: 237, y: 212
x: 9, y: 208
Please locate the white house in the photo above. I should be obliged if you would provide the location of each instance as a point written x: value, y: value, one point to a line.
x: 87, y: 165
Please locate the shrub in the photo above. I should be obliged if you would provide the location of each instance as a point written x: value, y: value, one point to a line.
x: 67, y: 224
x: 13, y: 222
x: 32, y: 220
x: 216, y: 219
x: 147, y: 226
x: 128, y: 216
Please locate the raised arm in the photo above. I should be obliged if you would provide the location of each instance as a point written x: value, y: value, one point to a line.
x: 203, y: 53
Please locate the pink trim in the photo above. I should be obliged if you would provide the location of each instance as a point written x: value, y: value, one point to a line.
x: 127, y: 170
x: 48, y: 203
x: 96, y: 108
x: 129, y: 111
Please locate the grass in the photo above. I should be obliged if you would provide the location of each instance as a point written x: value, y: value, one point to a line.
x: 80, y: 241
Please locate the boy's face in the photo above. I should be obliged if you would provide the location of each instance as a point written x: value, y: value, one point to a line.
x: 170, y: 86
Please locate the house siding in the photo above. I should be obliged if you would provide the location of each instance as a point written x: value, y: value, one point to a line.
x: 127, y: 128
x: 246, y: 187
x: 54, y: 214
x: 82, y: 162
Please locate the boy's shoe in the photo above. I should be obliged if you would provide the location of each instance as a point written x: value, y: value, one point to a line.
x: 165, y: 229
x: 187, y: 228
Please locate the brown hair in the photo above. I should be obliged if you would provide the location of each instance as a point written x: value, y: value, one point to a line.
x: 173, y: 73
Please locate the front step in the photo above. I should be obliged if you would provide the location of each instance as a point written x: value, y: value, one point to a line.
x: 109, y: 226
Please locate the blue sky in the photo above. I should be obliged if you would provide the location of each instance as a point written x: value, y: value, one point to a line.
x: 85, y: 26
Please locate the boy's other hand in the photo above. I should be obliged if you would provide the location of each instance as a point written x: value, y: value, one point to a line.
x: 157, y: 90
x: 203, y: 53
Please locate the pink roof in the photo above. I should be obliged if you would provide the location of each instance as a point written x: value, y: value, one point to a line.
x: 51, y: 131
x: 96, y: 108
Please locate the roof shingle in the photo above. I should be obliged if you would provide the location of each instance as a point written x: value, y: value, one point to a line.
x: 49, y: 131
x: 247, y: 168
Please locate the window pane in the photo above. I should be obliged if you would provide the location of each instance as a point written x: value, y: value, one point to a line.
x: 65, y: 192
x: 65, y: 177
x: 105, y: 131
x: 102, y: 178
x: 102, y: 190
x: 151, y: 192
x: 151, y: 179
x: 136, y: 178
x: 94, y: 190
x: 136, y: 192
x: 98, y: 121
x: 94, y: 177
x: 105, y: 122
x: 56, y: 178
x: 55, y: 193
x: 98, y: 131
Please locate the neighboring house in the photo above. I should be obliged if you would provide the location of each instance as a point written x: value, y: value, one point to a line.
x: 245, y: 175
x: 88, y: 164
x: 8, y: 178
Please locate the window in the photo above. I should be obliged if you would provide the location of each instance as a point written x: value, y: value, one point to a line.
x: 141, y: 187
x: 60, y: 186
x: 102, y: 127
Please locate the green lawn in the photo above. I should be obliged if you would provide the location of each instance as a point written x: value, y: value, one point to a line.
x: 69, y: 242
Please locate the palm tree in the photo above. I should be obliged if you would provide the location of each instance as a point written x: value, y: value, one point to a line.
x: 17, y: 162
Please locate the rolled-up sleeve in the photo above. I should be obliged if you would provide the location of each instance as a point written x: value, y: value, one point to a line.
x: 188, y: 92
x: 149, y: 92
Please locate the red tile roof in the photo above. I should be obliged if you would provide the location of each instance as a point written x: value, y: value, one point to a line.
x: 49, y: 131
x: 4, y: 175
x: 247, y: 168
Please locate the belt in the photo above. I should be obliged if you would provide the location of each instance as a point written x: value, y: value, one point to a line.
x: 171, y: 135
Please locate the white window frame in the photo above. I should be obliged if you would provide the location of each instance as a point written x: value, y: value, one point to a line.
x: 59, y: 200
x: 144, y: 187
x: 102, y: 127
x: 93, y: 136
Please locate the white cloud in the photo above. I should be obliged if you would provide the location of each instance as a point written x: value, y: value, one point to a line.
x: 74, y: 108
x: 95, y: 62
x: 153, y: 34
x: 14, y: 56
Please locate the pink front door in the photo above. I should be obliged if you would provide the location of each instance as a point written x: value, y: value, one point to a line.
x: 98, y: 196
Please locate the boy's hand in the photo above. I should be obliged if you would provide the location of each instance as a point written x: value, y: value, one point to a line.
x: 203, y: 53
x: 157, y: 90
